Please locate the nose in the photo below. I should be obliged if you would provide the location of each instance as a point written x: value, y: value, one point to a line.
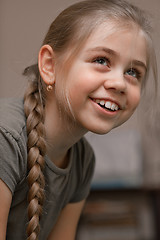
x: 116, y: 81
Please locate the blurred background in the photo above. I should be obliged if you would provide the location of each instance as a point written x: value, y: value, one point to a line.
x: 124, y: 203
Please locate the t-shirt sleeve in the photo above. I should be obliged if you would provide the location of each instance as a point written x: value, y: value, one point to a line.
x: 11, y: 165
x: 85, y: 171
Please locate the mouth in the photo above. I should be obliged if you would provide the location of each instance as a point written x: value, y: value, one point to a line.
x: 107, y: 104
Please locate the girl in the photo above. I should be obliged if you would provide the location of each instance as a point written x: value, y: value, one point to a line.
x: 91, y: 68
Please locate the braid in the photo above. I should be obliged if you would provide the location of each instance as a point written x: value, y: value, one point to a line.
x: 36, y: 150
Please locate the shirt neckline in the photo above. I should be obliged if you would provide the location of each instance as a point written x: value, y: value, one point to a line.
x: 57, y: 170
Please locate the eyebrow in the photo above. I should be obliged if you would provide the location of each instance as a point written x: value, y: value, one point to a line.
x: 113, y: 53
x: 104, y: 49
x: 139, y: 63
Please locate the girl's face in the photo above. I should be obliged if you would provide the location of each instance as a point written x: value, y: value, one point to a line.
x: 104, y: 81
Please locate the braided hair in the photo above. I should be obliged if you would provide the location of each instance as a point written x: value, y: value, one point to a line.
x: 34, y: 112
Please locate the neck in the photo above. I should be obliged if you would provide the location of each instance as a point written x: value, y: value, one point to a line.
x: 61, y: 135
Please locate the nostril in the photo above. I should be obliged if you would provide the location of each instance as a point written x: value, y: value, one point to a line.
x: 118, y: 90
x: 116, y: 84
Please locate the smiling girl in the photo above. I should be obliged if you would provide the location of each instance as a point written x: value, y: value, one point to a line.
x: 91, y: 68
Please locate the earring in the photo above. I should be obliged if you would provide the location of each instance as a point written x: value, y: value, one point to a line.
x: 49, y: 88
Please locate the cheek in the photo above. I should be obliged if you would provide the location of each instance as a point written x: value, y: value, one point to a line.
x: 76, y: 87
x: 135, y: 99
x: 83, y: 77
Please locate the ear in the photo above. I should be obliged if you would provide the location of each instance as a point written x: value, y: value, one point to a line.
x: 46, y: 64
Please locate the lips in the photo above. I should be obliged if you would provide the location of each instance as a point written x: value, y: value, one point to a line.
x: 107, y: 104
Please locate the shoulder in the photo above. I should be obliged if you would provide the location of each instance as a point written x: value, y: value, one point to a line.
x: 84, y: 147
x: 13, y: 142
x: 85, y: 156
x: 12, y: 117
x: 83, y: 169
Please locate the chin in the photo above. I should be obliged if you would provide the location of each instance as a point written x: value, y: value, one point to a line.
x: 101, y: 128
x: 100, y: 131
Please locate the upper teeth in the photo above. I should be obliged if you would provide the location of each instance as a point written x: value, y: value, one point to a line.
x: 108, y: 104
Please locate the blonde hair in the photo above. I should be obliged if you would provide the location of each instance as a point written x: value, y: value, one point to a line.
x: 71, y: 28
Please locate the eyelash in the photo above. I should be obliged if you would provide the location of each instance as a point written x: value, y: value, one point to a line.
x: 136, y: 71
x: 106, y: 60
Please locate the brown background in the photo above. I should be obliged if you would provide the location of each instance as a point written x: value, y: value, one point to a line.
x: 23, y: 25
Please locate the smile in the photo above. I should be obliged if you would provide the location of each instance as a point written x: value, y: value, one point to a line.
x: 107, y: 105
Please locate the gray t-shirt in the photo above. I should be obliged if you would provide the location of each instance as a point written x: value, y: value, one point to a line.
x: 63, y: 186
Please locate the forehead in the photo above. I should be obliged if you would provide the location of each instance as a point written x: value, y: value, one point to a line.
x: 128, y: 39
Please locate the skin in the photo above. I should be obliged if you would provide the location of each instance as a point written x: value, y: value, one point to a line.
x: 94, y: 73
x: 5, y: 202
x: 106, y: 80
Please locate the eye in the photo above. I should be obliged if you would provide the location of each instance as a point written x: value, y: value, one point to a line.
x: 102, y: 61
x: 133, y: 73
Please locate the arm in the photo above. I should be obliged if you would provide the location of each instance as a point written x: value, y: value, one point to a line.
x: 5, y: 203
x: 66, y: 225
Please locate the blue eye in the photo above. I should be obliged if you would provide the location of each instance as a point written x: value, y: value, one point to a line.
x: 133, y: 72
x: 102, y: 61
